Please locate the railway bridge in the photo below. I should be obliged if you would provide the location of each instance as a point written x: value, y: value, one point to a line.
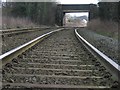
x: 70, y: 8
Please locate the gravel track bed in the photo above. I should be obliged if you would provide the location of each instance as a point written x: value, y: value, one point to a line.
x: 72, y: 62
x: 12, y: 41
x: 63, y: 42
x: 43, y: 61
x: 65, y: 81
x: 55, y: 72
x: 107, y: 45
x: 55, y: 66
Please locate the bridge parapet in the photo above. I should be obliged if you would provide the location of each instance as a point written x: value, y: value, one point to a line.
x: 72, y: 7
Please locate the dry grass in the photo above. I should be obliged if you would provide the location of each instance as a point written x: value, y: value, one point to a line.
x: 107, y: 28
x: 11, y: 22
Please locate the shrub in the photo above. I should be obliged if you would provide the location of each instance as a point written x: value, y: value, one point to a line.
x: 108, y: 28
x: 12, y: 22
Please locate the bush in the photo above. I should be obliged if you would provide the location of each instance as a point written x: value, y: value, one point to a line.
x: 12, y: 22
x: 108, y: 28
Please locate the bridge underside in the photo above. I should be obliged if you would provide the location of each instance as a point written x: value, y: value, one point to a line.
x: 74, y: 11
x: 72, y: 8
x: 75, y: 6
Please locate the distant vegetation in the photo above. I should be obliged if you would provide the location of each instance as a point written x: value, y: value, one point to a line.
x: 108, y: 11
x: 39, y: 13
x: 106, y: 28
x: 23, y: 14
x: 107, y: 21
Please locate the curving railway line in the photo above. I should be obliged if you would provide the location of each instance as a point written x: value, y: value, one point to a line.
x: 20, y: 30
x: 15, y: 37
x: 59, y: 60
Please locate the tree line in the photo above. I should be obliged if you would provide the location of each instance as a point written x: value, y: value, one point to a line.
x: 106, y: 11
x: 48, y: 13
x: 38, y: 12
x: 109, y: 11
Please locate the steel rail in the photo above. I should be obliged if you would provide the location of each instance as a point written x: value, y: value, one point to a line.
x: 20, y: 30
x: 8, y: 56
x: 112, y: 66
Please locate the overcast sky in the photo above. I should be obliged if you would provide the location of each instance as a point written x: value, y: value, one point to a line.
x: 78, y: 14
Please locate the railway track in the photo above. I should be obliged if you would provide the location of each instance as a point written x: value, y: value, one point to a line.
x: 58, y: 61
x: 12, y: 40
x: 21, y: 30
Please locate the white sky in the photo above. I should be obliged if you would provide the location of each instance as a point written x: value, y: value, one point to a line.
x: 78, y: 14
x: 78, y: 1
